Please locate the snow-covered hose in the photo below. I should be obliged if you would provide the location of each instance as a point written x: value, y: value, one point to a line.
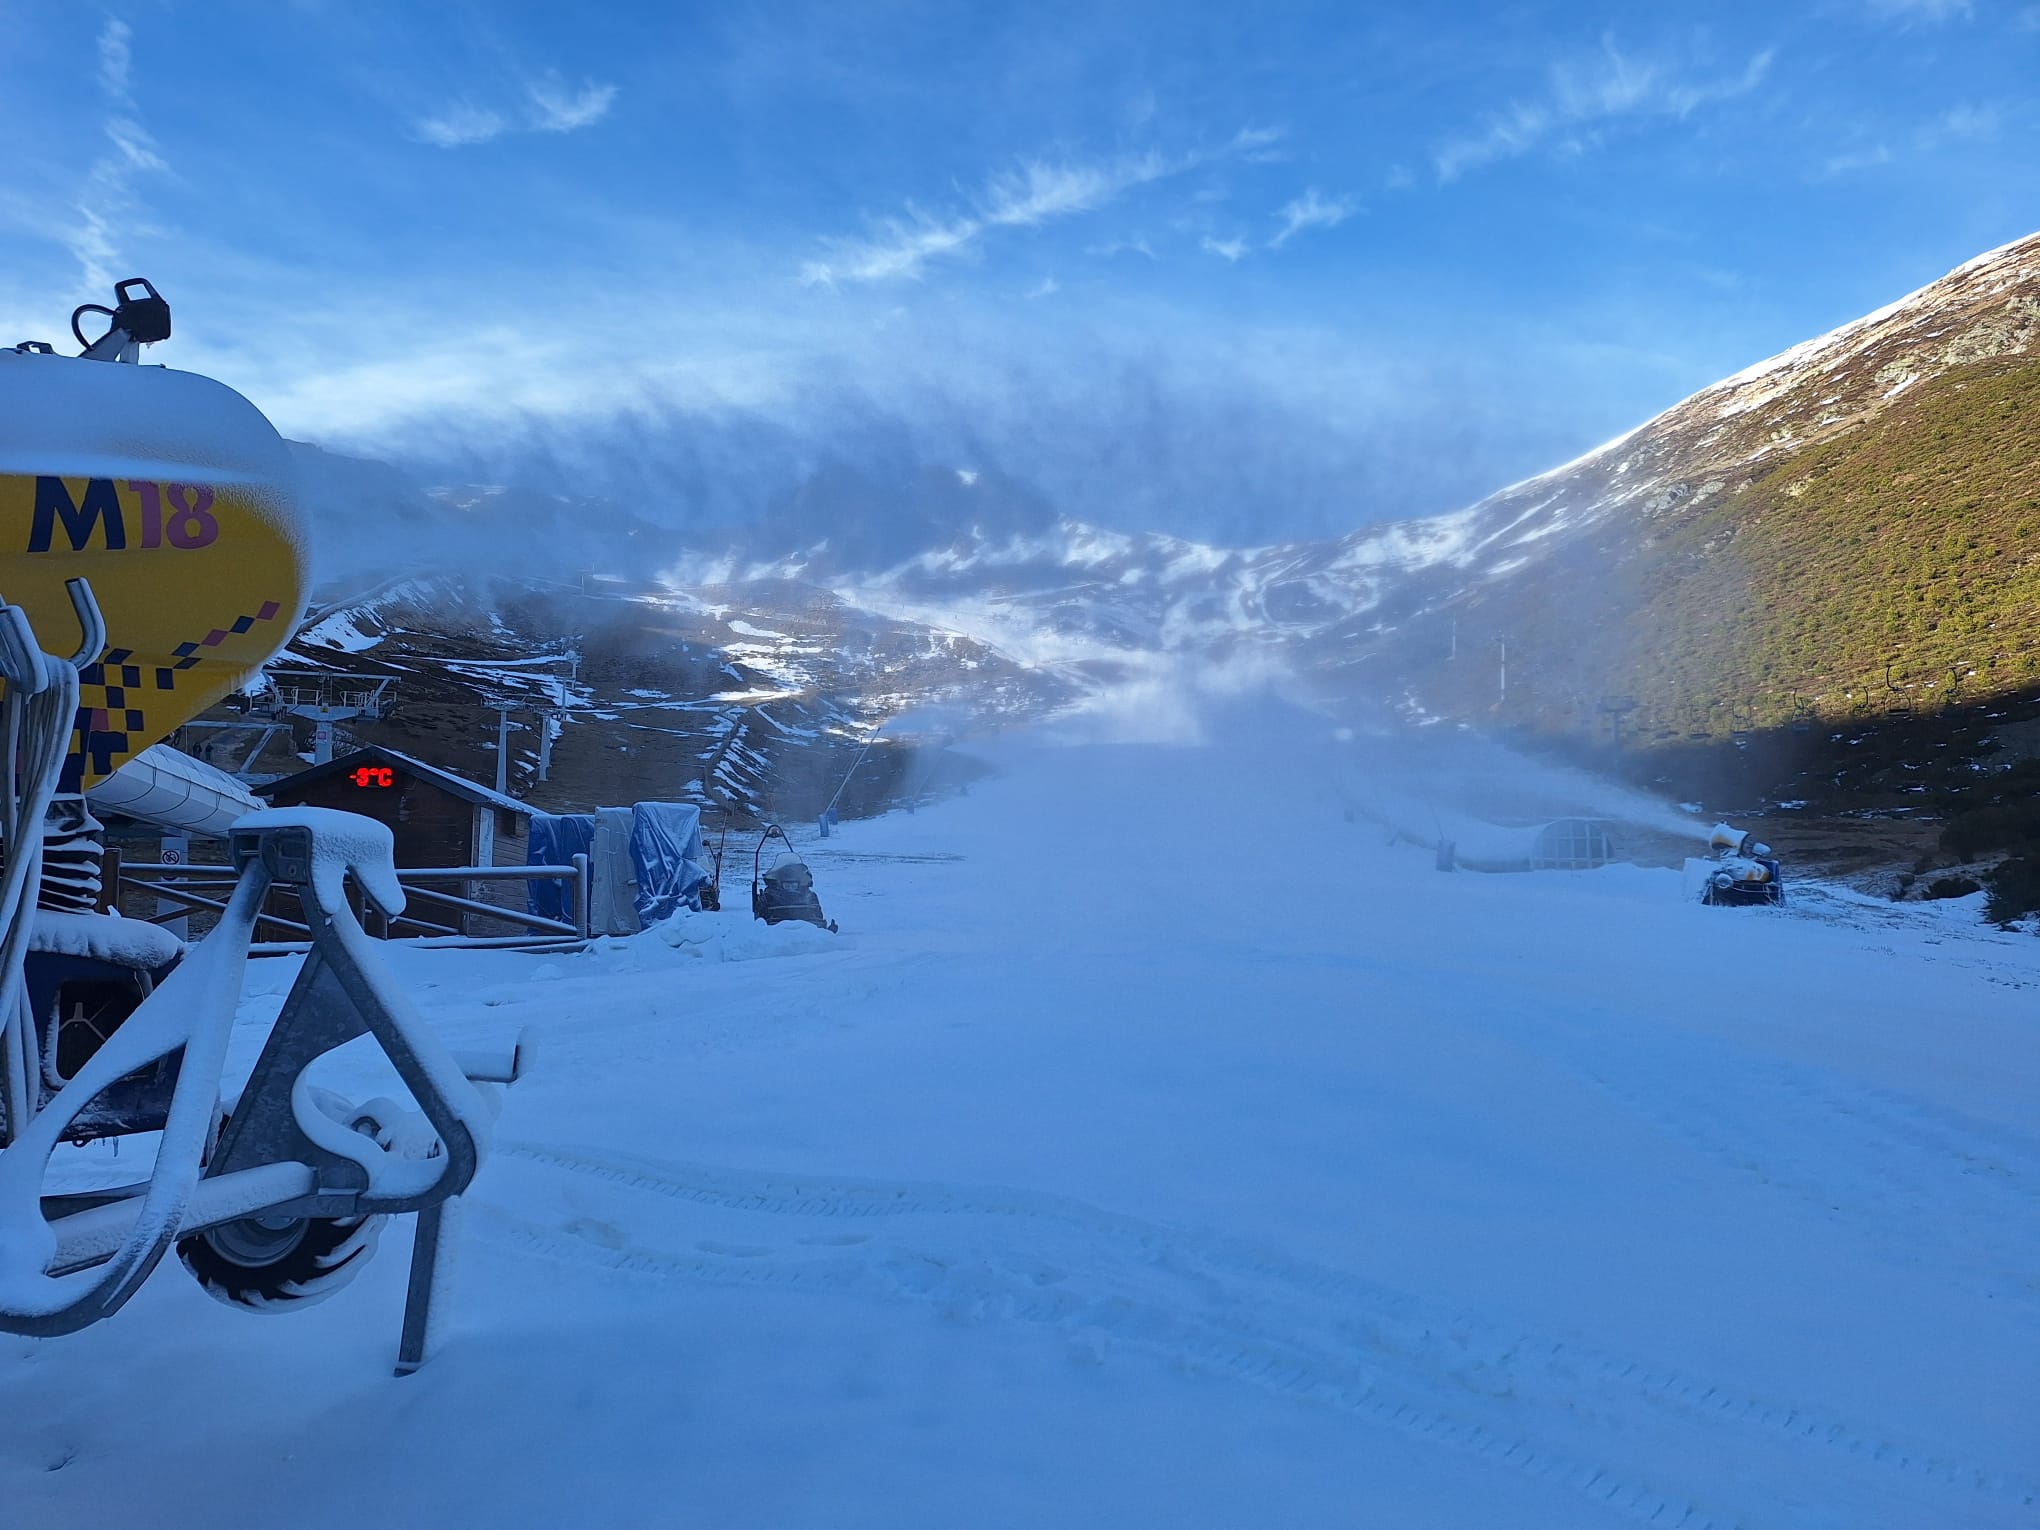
x: 37, y: 731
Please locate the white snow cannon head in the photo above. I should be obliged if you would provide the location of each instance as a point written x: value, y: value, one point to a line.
x: 1733, y: 841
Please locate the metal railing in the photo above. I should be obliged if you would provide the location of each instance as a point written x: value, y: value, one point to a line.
x: 201, y: 889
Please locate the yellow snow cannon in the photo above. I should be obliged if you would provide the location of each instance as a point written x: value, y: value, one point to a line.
x: 172, y: 495
x: 147, y: 531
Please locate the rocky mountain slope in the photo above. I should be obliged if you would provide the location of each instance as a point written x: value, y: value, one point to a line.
x: 1763, y: 548
x: 649, y: 695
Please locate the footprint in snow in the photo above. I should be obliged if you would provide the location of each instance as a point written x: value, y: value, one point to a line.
x: 596, y: 1231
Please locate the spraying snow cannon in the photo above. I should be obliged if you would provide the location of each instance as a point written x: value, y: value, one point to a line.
x: 1742, y: 872
x: 172, y: 495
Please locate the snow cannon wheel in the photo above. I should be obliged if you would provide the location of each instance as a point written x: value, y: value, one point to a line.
x: 275, y: 1264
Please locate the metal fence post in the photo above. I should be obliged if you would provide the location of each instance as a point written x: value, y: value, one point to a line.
x: 583, y: 900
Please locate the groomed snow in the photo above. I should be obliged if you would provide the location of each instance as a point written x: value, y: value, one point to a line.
x: 1158, y: 1148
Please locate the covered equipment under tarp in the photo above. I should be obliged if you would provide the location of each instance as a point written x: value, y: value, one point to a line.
x: 645, y: 863
x: 555, y: 839
x: 666, y: 853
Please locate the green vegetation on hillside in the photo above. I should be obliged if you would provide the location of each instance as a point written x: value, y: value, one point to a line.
x: 1911, y: 541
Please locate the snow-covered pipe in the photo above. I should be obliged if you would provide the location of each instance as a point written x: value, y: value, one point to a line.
x: 171, y: 790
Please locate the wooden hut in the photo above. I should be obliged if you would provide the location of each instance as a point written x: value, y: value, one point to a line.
x: 437, y: 818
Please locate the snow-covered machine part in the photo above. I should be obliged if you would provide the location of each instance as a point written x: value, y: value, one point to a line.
x: 269, y: 1206
x: 169, y: 789
x: 174, y: 496
x: 72, y: 858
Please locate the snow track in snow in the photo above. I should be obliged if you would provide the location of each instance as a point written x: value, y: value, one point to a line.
x: 1891, y: 1163
x: 1226, y: 1307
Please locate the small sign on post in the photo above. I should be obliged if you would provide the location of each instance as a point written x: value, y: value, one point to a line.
x: 176, y: 851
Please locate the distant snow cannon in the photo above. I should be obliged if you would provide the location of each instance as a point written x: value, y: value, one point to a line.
x: 786, y: 889
x: 1743, y: 872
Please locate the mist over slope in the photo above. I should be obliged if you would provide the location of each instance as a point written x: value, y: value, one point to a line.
x: 1753, y: 556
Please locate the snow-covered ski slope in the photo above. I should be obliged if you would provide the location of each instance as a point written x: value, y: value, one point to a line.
x: 1156, y: 1148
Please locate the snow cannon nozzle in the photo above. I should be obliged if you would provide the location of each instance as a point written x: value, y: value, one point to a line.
x: 1726, y: 837
x: 1742, y: 870
x: 141, y: 316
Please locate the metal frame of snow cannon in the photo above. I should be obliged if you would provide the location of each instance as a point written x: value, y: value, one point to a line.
x: 67, y: 1261
x: 801, y: 904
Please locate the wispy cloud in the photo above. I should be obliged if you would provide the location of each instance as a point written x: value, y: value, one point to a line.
x: 1607, y: 87
x: 1257, y: 145
x: 1034, y: 192
x: 116, y: 58
x: 550, y: 105
x: 1856, y: 161
x: 557, y: 109
x: 1957, y: 128
x: 1312, y: 210
x: 107, y: 201
x: 1909, y: 11
x: 1048, y: 286
x: 461, y: 124
x: 1108, y: 248
x: 1963, y: 124
x: 1227, y: 250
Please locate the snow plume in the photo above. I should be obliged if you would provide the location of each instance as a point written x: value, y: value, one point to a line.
x: 927, y: 733
x: 1432, y: 785
x: 1176, y: 699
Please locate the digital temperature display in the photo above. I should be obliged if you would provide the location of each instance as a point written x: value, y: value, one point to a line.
x: 372, y: 775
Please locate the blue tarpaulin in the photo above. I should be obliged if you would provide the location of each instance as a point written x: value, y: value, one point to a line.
x: 666, y: 865
x: 665, y: 851
x: 556, y: 838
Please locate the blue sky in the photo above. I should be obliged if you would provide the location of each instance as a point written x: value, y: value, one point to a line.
x: 1237, y: 271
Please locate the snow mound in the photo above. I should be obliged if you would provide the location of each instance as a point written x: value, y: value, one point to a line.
x: 724, y: 937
